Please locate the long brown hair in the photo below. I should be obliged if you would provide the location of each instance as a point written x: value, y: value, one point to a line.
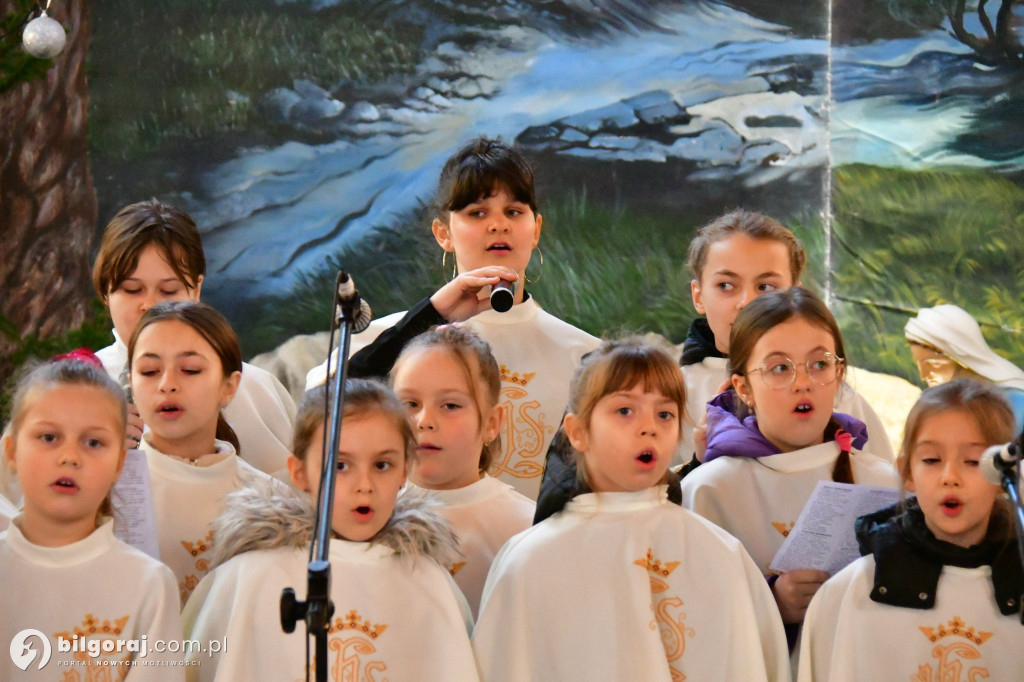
x: 767, y: 312
x: 215, y: 330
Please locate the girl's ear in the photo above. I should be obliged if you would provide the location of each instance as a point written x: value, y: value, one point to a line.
x: 742, y: 388
x: 228, y: 388
x: 536, y: 230
x: 297, y: 473
x: 492, y: 425
x: 698, y: 297
x: 443, y: 235
x: 9, y: 462
x: 194, y: 293
x: 576, y: 430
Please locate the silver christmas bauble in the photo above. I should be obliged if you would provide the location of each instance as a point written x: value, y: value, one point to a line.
x: 44, y: 37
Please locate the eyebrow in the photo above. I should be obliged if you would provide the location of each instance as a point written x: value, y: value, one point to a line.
x: 162, y: 281
x: 186, y: 354
x: 724, y: 272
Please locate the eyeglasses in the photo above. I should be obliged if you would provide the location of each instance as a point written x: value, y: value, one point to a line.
x: 778, y: 371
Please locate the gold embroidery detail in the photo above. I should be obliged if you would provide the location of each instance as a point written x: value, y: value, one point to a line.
x: 784, y: 527
x: 955, y: 627
x: 523, y: 436
x: 456, y: 567
x: 353, y: 621
x: 92, y: 626
x: 511, y: 377
x: 196, y: 549
x: 98, y: 669
x: 673, y: 630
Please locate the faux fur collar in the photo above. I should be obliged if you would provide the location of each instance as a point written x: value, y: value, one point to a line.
x: 264, y: 517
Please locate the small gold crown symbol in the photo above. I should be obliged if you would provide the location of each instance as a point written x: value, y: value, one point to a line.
x: 199, y: 546
x: 783, y: 527
x: 514, y: 377
x: 353, y: 621
x: 955, y: 627
x: 92, y: 626
x: 662, y: 570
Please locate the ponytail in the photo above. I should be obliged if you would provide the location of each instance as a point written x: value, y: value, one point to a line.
x: 842, y: 472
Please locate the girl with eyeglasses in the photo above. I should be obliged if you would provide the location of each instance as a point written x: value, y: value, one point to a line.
x: 776, y: 434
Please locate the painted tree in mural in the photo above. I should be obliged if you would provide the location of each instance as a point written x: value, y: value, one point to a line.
x: 47, y: 200
x: 995, y: 43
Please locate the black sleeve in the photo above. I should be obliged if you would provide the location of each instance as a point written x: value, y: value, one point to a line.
x: 559, y: 484
x: 377, y: 359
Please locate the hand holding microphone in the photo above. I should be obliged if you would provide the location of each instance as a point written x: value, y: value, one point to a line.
x: 474, y: 291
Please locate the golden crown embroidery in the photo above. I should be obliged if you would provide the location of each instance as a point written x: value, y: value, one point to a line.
x: 951, y: 656
x: 673, y: 631
x: 98, y: 669
x: 196, y: 549
x: 347, y: 663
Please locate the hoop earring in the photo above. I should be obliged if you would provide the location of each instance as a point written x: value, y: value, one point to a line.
x: 540, y: 270
x: 444, y: 267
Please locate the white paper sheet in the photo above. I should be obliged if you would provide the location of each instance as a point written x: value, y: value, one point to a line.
x: 823, y: 537
x: 132, y: 497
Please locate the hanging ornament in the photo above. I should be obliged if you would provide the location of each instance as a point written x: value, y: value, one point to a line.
x: 44, y: 37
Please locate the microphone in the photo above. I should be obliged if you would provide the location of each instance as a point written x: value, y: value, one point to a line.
x: 503, y: 295
x: 347, y: 294
x: 999, y: 459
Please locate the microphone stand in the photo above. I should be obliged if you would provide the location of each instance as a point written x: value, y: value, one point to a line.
x: 1010, y: 476
x: 318, y: 609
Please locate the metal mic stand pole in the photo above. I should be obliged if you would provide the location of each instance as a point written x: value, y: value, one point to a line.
x: 318, y: 609
x: 1010, y: 475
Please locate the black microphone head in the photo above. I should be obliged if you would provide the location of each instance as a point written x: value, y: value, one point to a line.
x: 503, y: 294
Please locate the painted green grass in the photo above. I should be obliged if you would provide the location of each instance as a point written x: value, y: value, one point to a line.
x: 163, y: 72
x: 912, y: 239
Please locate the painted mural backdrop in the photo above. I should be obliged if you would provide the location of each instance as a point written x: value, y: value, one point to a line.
x: 308, y: 135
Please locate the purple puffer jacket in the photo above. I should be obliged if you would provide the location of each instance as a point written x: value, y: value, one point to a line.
x: 728, y: 436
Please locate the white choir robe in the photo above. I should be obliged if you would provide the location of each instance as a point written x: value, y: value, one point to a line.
x: 483, y: 515
x: 628, y: 586
x: 98, y: 588
x: 847, y: 637
x: 186, y: 500
x: 758, y: 500
x: 394, y: 619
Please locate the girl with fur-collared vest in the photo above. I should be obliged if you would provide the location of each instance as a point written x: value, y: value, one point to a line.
x: 397, y: 612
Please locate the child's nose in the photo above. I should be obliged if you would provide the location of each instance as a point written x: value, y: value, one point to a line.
x: 951, y: 474
x: 167, y: 383
x: 364, y: 482
x: 648, y: 425
x: 69, y: 455
x: 425, y: 420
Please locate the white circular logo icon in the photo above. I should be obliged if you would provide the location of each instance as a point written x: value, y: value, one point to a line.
x: 22, y: 654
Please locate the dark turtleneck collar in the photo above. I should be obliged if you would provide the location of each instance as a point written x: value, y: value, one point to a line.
x: 700, y: 343
x: 909, y: 558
